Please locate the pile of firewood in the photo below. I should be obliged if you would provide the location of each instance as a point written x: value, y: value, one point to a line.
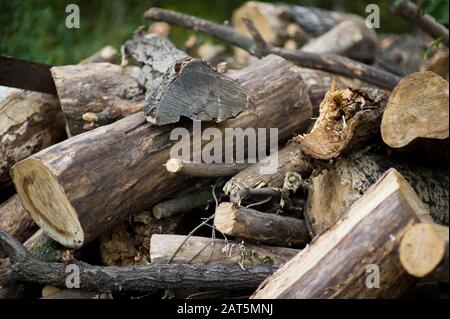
x: 357, y: 206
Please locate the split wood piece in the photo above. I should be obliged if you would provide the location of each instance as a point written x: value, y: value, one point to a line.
x: 349, y: 37
x: 202, y: 250
x: 332, y: 191
x: 105, y: 54
x: 96, y: 94
x: 194, y: 89
x: 26, y: 268
x: 255, y: 226
x: 417, y: 116
x: 91, y: 189
x: 289, y: 159
x: 15, y: 220
x: 348, y: 120
x: 76, y: 294
x: 426, y: 22
x: 29, y: 122
x: 328, y: 62
x: 187, y: 168
x: 182, y: 204
x: 154, y: 54
x: 424, y: 251
x: 337, y: 264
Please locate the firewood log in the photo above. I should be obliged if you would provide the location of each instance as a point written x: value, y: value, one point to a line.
x: 358, y: 256
x: 106, y: 54
x: 202, y: 250
x: 96, y: 94
x: 29, y: 122
x: 348, y: 120
x: 424, y: 251
x: 290, y: 160
x: 182, y: 204
x: 416, y: 118
x: 260, y: 227
x: 76, y: 294
x: 75, y: 191
x: 187, y: 168
x: 333, y: 190
x: 15, y: 220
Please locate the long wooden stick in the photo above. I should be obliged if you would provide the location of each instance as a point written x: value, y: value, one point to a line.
x: 328, y: 62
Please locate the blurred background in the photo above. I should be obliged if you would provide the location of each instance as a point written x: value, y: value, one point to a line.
x: 35, y: 29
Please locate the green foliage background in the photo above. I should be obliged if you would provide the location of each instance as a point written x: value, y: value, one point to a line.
x: 35, y: 29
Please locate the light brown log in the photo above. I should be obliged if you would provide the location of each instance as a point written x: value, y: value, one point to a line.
x: 259, y: 227
x: 202, y: 250
x: 333, y: 190
x: 417, y: 116
x: 96, y: 94
x: 75, y: 191
x: 187, y: 168
x: 15, y: 220
x: 106, y: 54
x: 424, y: 251
x: 29, y: 122
x: 348, y: 120
x: 339, y: 262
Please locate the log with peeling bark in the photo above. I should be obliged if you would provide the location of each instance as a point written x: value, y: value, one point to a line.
x: 332, y: 191
x: 106, y: 54
x: 26, y: 268
x: 255, y: 226
x: 96, y: 94
x: 202, y: 250
x: 417, y: 117
x: 289, y: 160
x: 349, y: 119
x: 15, y: 220
x: 339, y: 263
x: 29, y: 122
x: 328, y: 62
x: 424, y: 251
x: 87, y: 198
x: 154, y: 54
x: 182, y: 204
x: 192, y: 89
x: 45, y: 249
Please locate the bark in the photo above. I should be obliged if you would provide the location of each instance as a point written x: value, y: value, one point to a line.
x: 348, y: 120
x: 29, y: 122
x: 424, y: 251
x: 417, y: 118
x: 202, y: 250
x: 26, y: 268
x: 182, y: 204
x: 154, y: 54
x: 122, y: 174
x: 77, y: 294
x: 187, y: 168
x: 260, y: 227
x: 290, y: 160
x: 15, y: 220
x: 96, y: 94
x: 106, y: 54
x: 194, y: 89
x: 337, y: 263
x: 327, y: 62
x: 332, y: 191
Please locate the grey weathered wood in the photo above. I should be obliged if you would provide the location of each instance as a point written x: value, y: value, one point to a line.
x: 194, y: 89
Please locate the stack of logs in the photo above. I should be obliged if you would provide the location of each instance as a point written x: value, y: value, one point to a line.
x: 356, y: 207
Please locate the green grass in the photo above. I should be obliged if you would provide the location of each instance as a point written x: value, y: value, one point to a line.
x: 35, y: 29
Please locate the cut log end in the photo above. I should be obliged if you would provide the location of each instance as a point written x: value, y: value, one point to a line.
x: 225, y: 217
x: 174, y: 165
x: 423, y: 248
x: 417, y: 108
x: 35, y: 184
x: 348, y: 119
